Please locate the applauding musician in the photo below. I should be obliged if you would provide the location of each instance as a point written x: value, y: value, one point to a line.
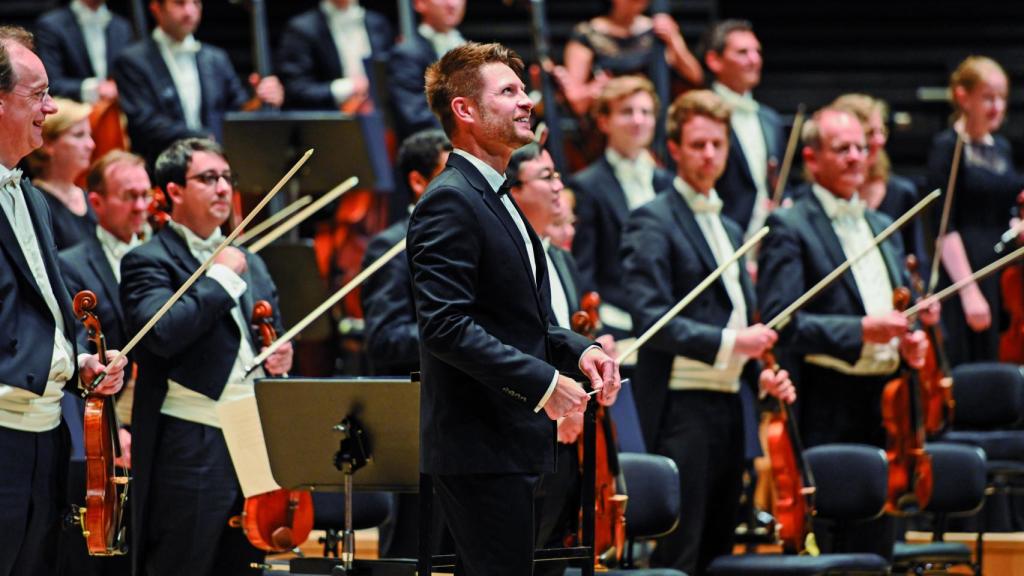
x: 185, y: 486
x: 488, y: 351
x: 38, y: 356
x: 689, y: 376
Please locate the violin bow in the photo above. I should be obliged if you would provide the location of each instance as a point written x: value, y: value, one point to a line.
x: 694, y: 293
x: 272, y: 220
x: 306, y: 212
x: 783, y: 317
x: 787, y: 159
x: 326, y: 304
x: 202, y: 268
x: 955, y: 287
x: 933, y: 278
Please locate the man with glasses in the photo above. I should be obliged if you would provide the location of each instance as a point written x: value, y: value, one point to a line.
x: 38, y: 356
x: 194, y: 358
x: 119, y: 192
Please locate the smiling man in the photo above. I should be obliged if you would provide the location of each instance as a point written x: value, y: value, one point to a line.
x: 491, y: 361
x: 194, y: 358
x: 38, y: 357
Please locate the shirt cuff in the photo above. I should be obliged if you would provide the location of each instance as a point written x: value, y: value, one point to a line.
x: 725, y: 348
x: 226, y: 277
x: 341, y: 89
x: 90, y: 90
x: 551, y: 390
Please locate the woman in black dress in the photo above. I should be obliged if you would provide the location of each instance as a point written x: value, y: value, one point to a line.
x: 618, y: 43
x: 65, y: 155
x: 987, y: 187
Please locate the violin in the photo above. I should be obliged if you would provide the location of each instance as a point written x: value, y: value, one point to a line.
x: 1011, y: 286
x: 158, y: 213
x: 936, y: 380
x: 910, y: 467
x: 792, y: 477
x: 102, y: 519
x: 610, y: 485
x: 280, y: 520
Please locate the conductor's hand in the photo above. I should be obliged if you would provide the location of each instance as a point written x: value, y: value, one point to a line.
x: 280, y: 362
x: 603, y: 371
x: 233, y: 258
x: 883, y: 328
x: 567, y: 398
x: 90, y: 367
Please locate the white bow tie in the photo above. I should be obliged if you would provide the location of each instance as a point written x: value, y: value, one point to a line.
x: 701, y: 204
x: 852, y: 210
x: 205, y: 246
x: 94, y: 18
x: 11, y: 179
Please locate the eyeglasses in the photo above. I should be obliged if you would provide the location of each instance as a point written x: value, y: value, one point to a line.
x: 549, y: 177
x: 210, y: 178
x: 39, y: 95
x: 130, y: 197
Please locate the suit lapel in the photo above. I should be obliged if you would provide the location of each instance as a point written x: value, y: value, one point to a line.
x: 101, y: 268
x: 768, y: 132
x: 736, y: 240
x: 207, y: 81
x: 247, y: 303
x: 892, y: 264
x: 335, y: 68
x: 688, y: 224
x: 568, y: 282
x: 615, y: 193
x: 47, y: 250
x: 830, y: 242
x: 76, y: 43
x: 734, y: 144
x: 9, y: 243
x: 163, y: 82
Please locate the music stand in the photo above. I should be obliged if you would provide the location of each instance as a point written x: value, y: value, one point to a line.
x: 333, y: 434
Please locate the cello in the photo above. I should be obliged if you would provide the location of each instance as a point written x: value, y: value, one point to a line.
x: 610, y: 485
x: 910, y: 467
x: 102, y: 519
x: 936, y: 380
x: 280, y: 520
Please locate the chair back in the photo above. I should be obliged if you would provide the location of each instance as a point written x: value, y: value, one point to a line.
x: 959, y: 477
x: 988, y: 395
x: 652, y: 483
x: 851, y: 479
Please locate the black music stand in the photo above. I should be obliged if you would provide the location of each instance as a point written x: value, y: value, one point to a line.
x: 264, y: 144
x: 342, y: 434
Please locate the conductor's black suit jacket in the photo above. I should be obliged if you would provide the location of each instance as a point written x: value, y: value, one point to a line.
x: 487, y: 348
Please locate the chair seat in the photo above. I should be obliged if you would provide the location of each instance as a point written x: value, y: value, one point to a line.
x: 631, y: 572
x: 787, y: 565
x: 997, y: 444
x: 935, y: 552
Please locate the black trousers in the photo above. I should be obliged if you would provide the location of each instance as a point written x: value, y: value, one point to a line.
x: 194, y: 494
x: 558, y: 507
x: 703, y: 433
x: 836, y: 407
x: 33, y: 471
x: 491, y: 519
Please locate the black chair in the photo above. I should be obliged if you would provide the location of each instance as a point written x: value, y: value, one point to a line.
x: 652, y: 483
x: 989, y: 413
x: 851, y: 485
x: 958, y: 490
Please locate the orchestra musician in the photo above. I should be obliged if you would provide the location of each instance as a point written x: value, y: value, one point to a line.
x: 435, y: 36
x: 733, y: 54
x: 846, y: 344
x: 172, y: 86
x: 119, y: 193
x: 56, y: 167
x: 185, y: 487
x: 536, y: 188
x: 621, y: 42
x: 490, y: 387
x: 622, y: 179
x: 39, y: 357
x: 323, y: 53
x: 78, y: 45
x: 689, y: 376
x: 392, y: 339
x: 986, y: 188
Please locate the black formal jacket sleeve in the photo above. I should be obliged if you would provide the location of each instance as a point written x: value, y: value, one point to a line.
x: 392, y: 337
x: 406, y: 67
x: 61, y: 46
x: 26, y: 343
x: 307, y: 60
x: 488, y: 352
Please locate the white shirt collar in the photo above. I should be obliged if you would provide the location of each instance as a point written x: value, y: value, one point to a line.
x: 441, y: 41
x: 740, y: 102
x: 114, y: 244
x: 188, y: 45
x: 494, y: 178
x: 698, y: 203
x: 986, y: 140
x: 835, y: 206
x: 198, y: 246
x: 643, y: 159
x: 99, y: 17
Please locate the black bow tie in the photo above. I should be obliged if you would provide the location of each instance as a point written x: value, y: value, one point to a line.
x: 505, y: 187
